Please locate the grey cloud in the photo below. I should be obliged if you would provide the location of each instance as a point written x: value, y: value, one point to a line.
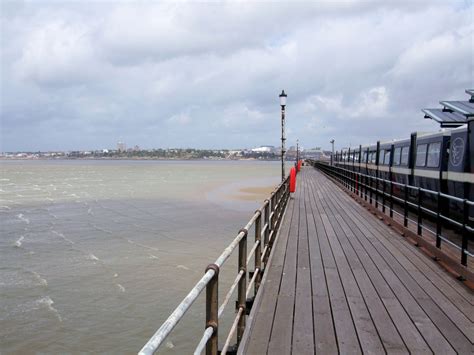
x: 208, y: 75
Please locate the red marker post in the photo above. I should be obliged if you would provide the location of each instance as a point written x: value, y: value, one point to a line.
x: 292, y: 180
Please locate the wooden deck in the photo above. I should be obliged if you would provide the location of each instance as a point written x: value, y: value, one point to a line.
x: 340, y: 280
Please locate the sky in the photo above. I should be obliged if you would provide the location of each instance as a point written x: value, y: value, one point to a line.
x: 78, y: 75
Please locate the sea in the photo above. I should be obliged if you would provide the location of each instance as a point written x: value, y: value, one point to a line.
x: 95, y: 254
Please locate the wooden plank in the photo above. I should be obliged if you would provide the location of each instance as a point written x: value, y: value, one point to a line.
x: 261, y: 328
x: 303, y: 332
x: 367, y: 334
x: 342, y: 282
x: 431, y: 334
x: 282, y: 331
x: 324, y: 332
x: 411, y: 336
x: 346, y: 334
x: 382, y: 303
x: 435, y: 296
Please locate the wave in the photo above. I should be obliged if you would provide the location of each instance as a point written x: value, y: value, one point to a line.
x: 151, y: 256
x: 120, y: 287
x: 19, y: 241
x: 182, y: 267
x: 48, y: 302
x: 22, y: 218
x: 91, y: 256
x: 142, y: 245
x: 89, y: 211
x: 62, y: 236
x: 101, y: 229
x: 38, y: 277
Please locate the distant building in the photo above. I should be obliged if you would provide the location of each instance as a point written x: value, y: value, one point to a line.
x: 136, y: 148
x: 264, y: 149
x: 121, y: 146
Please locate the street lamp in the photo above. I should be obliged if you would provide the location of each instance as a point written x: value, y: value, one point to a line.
x: 283, y: 104
x: 297, y: 151
x: 332, y: 154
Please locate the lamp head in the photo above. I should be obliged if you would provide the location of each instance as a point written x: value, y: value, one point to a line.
x: 283, y: 98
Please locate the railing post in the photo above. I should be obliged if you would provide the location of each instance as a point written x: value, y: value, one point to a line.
x: 464, y: 232
x: 212, y: 305
x: 383, y: 194
x: 370, y: 189
x: 242, y: 288
x: 405, y: 207
x: 419, y: 212
x: 438, y: 222
x: 391, y: 199
x: 258, y: 251
x: 266, y: 235
x: 272, y: 222
x: 366, y: 182
x: 376, y: 191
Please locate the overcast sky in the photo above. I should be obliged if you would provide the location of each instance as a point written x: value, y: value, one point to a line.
x: 84, y: 75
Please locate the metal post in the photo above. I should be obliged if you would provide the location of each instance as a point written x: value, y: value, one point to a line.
x: 370, y: 188
x: 377, y: 174
x: 391, y: 199
x: 266, y: 235
x: 258, y: 251
x: 405, y: 207
x: 332, y: 154
x: 272, y: 222
x: 297, y: 151
x: 242, y: 288
x: 464, y: 233
x: 212, y: 305
x: 365, y: 186
x: 419, y: 212
x: 438, y: 222
x: 383, y: 194
x: 283, y: 142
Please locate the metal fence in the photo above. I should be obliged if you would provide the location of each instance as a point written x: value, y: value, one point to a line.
x: 271, y: 213
x: 381, y: 192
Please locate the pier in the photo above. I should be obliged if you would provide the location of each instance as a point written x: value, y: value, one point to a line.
x: 336, y: 268
x: 340, y: 280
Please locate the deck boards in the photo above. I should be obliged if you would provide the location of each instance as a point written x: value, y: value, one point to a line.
x: 341, y: 281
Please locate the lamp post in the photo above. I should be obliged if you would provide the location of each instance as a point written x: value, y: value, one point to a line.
x: 297, y: 151
x: 332, y: 154
x: 283, y: 104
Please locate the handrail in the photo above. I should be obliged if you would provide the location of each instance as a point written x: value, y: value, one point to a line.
x: 363, y: 185
x: 271, y: 211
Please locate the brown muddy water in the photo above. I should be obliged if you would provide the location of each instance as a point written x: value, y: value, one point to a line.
x: 94, y: 255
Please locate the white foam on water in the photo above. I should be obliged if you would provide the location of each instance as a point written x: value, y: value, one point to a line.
x: 101, y: 229
x: 169, y: 345
x: 182, y: 267
x: 91, y: 256
x: 48, y: 302
x: 5, y: 207
x: 22, y: 218
x: 41, y: 280
x: 89, y: 211
x: 62, y: 236
x: 19, y: 241
x: 151, y: 256
x: 120, y: 287
x: 4, y: 179
x: 115, y: 275
x: 142, y: 245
